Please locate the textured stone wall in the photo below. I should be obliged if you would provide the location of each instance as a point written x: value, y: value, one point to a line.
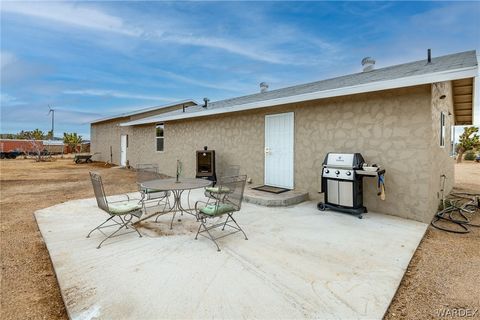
x: 392, y: 128
x: 106, y: 134
x: 441, y: 161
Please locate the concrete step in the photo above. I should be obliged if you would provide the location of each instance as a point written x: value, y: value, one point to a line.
x: 268, y: 199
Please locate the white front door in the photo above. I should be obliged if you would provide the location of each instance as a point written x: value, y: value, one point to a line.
x: 279, y: 132
x: 123, y: 150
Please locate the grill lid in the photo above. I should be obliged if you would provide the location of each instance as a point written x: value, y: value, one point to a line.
x: 344, y: 160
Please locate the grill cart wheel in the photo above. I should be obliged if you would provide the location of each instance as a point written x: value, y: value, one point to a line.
x: 321, y: 206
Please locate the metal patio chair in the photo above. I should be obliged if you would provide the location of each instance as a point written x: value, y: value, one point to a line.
x: 213, y: 193
x: 147, y: 172
x: 120, y: 213
x: 226, y: 204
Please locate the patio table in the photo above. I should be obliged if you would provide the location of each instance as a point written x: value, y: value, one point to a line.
x: 177, y: 189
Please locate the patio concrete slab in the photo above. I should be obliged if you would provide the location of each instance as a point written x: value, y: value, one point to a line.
x: 298, y: 263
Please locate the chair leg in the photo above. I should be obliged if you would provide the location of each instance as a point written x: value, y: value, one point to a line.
x: 230, y: 216
x: 123, y: 222
x: 109, y: 236
x: 202, y: 224
x: 198, y: 231
x: 205, y: 229
x: 129, y: 221
x: 212, y: 238
x: 225, y: 223
x: 97, y: 227
x: 142, y: 198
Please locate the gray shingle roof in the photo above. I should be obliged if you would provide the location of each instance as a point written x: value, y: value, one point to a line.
x: 443, y: 63
x: 458, y: 65
x: 145, y: 110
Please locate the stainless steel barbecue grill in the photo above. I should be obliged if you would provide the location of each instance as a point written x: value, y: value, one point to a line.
x: 341, y: 183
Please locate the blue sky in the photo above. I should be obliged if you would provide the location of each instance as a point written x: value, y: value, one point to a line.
x: 92, y: 59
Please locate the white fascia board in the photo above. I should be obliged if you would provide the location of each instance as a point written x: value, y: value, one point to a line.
x: 135, y: 112
x: 344, y: 91
x: 476, y: 101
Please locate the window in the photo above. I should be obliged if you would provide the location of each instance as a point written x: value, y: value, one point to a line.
x: 442, y: 129
x: 160, y: 138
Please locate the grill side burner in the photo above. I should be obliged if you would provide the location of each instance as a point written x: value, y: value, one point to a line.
x: 342, y: 186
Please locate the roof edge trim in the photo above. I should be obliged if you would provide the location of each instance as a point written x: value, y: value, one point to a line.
x: 447, y: 75
x: 148, y: 109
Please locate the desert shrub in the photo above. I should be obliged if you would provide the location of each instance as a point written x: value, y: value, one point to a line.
x: 470, y: 155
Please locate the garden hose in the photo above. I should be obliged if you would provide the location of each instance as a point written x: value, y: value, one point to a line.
x: 462, y: 223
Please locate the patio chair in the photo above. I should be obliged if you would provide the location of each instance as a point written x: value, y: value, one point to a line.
x: 120, y: 212
x: 147, y: 172
x: 225, y: 205
x: 214, y: 192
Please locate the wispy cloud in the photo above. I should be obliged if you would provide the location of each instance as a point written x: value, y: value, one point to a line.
x: 6, y: 59
x: 8, y: 100
x: 256, y: 48
x: 235, y: 87
x: 107, y: 57
x: 119, y: 94
x: 232, y: 46
x: 71, y: 14
x: 15, y: 70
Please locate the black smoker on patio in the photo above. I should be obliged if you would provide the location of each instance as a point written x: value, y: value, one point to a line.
x: 206, y: 164
x: 341, y: 183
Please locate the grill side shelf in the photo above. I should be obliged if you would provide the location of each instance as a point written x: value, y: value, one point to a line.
x: 370, y: 173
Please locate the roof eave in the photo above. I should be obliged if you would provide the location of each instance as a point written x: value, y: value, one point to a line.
x: 344, y: 91
x: 129, y: 114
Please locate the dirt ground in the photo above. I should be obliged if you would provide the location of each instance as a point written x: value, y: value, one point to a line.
x: 29, y: 288
x: 443, y: 273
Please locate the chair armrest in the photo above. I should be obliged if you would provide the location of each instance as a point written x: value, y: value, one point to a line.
x: 196, y: 204
x: 126, y: 195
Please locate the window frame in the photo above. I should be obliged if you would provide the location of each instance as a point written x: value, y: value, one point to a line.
x: 162, y: 125
x: 443, y: 129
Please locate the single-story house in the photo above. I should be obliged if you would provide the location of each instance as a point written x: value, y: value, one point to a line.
x: 399, y: 117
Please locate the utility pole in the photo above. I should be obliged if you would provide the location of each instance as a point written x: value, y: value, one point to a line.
x: 52, y: 111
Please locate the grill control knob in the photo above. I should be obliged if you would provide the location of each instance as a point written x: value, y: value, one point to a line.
x: 327, y: 171
x: 348, y: 173
x: 337, y: 172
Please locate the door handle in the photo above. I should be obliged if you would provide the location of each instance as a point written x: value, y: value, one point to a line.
x: 267, y: 150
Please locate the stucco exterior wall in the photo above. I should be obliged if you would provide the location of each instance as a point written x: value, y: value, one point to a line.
x: 442, y: 164
x: 104, y: 135
x: 392, y: 128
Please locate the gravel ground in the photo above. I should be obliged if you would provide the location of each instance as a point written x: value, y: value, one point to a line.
x: 442, y: 274
x: 29, y: 288
x: 445, y: 270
